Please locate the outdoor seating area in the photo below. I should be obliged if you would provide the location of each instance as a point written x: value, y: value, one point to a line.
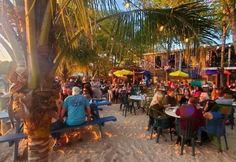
x: 166, y: 125
x: 117, y: 80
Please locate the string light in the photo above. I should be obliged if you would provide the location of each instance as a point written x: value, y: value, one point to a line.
x: 161, y: 28
x: 127, y: 5
x: 186, y: 40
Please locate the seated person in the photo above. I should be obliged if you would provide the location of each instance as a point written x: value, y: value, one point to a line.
x: 86, y: 93
x: 190, y: 110
x: 77, y: 107
x: 184, y: 99
x: 170, y: 99
x: 211, y: 106
x: 203, y: 98
x: 197, y: 91
x: 215, y: 94
x: 156, y: 108
x: 65, y: 92
x: 214, y: 125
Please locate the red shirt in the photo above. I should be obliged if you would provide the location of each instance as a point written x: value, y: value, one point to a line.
x: 190, y: 111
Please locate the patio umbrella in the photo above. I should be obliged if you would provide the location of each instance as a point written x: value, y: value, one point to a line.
x: 127, y: 72
x: 121, y: 73
x: 118, y: 73
x: 179, y: 74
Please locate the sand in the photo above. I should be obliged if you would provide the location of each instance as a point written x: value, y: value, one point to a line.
x: 127, y: 140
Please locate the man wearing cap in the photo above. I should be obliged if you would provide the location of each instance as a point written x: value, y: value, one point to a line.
x: 77, y: 107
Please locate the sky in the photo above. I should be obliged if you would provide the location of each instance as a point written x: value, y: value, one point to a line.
x: 4, y: 56
x: 120, y: 3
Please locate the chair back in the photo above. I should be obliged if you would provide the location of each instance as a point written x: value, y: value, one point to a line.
x: 124, y: 99
x: 189, y: 129
x: 216, y: 127
x: 225, y: 109
x: 163, y: 122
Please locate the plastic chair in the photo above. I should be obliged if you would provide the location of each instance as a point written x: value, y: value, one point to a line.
x: 124, y: 105
x: 228, y: 112
x: 216, y: 128
x: 161, y: 123
x: 189, y: 133
x: 146, y: 104
x: 221, y: 132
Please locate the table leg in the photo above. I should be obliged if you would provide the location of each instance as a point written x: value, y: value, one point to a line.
x: 16, y: 144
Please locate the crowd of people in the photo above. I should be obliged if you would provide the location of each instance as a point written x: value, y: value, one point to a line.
x: 75, y: 100
x: 193, y: 102
x: 77, y: 94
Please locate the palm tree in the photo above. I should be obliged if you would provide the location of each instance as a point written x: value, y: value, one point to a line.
x: 51, y: 31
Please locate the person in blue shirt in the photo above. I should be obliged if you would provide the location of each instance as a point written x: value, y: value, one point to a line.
x: 215, y: 124
x: 77, y: 108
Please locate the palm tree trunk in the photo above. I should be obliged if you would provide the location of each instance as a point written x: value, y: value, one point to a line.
x: 233, y: 26
x: 38, y: 139
x: 223, y: 39
x: 38, y: 149
x: 33, y: 74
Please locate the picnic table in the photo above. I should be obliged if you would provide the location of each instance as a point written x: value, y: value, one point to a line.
x: 101, y: 102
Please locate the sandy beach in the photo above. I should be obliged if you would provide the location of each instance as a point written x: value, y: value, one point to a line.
x: 127, y: 140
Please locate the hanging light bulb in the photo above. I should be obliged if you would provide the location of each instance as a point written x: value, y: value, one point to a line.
x: 127, y: 5
x: 161, y: 28
x: 186, y: 40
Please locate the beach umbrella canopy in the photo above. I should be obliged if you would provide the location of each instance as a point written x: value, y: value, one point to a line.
x: 127, y: 72
x: 179, y: 74
x: 120, y: 73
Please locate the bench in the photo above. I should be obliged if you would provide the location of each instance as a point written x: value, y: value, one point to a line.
x: 99, y: 121
x: 102, y: 102
x: 15, y: 138
x: 12, y: 137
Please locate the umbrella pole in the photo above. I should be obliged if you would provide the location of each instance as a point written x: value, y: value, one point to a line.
x: 167, y: 75
x: 133, y: 78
